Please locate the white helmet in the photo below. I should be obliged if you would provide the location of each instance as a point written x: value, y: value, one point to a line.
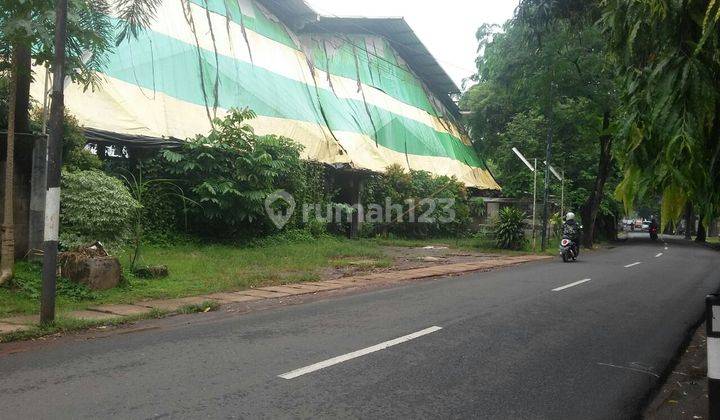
x: 570, y: 216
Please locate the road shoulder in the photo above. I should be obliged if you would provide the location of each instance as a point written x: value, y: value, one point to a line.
x: 684, y: 393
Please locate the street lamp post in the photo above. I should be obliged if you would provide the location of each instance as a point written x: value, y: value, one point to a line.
x: 533, y: 169
x: 534, y: 201
x: 560, y: 178
x: 556, y: 174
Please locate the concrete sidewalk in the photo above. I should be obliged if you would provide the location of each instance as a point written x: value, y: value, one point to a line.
x: 114, y: 312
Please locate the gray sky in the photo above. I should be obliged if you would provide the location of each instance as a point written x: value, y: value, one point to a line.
x: 447, y: 28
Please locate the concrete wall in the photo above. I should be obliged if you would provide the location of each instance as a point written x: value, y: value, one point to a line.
x: 21, y: 202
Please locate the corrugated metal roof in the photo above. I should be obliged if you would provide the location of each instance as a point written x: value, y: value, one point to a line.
x: 396, y: 30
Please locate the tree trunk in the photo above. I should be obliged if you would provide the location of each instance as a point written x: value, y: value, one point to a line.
x: 592, y: 205
x: 688, y: 221
x: 701, y: 233
x: 23, y: 68
x: 7, y: 249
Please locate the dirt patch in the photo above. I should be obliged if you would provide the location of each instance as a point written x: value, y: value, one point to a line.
x: 404, y: 258
x: 684, y: 394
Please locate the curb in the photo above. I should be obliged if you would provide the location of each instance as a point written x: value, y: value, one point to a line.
x: 113, y: 312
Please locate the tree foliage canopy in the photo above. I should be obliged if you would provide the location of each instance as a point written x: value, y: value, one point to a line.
x: 545, y: 72
x: 669, y: 64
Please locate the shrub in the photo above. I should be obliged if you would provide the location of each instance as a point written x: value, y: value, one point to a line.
x: 94, y: 207
x: 75, y: 157
x: 402, y: 187
x: 510, y: 228
x: 231, y: 171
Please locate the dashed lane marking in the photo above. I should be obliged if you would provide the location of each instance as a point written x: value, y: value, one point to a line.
x: 362, y: 352
x: 567, y: 286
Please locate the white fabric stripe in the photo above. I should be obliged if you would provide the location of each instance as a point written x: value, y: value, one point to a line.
x: 349, y: 356
x: 135, y: 113
x: 277, y: 58
x: 567, y: 286
x: 713, y: 357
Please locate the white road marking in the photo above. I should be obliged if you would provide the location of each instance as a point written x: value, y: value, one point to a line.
x: 362, y: 352
x: 643, y: 370
x: 659, y: 255
x: 633, y: 264
x: 567, y: 286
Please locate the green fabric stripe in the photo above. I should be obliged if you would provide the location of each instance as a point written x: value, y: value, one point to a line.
x: 167, y: 65
x: 379, y: 69
x: 259, y: 24
x: 378, y: 65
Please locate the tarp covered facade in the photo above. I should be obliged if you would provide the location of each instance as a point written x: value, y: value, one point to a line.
x: 348, y: 98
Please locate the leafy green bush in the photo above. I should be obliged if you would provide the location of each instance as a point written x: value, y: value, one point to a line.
x: 402, y: 187
x: 510, y: 228
x: 94, y: 207
x: 232, y: 170
x: 75, y: 156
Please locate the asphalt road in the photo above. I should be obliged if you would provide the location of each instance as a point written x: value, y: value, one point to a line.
x: 509, y: 346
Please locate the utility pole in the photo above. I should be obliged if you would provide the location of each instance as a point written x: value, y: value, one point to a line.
x: 52, y: 196
x: 548, y: 155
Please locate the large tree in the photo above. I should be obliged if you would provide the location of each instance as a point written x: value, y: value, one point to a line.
x: 546, y: 73
x: 668, y: 55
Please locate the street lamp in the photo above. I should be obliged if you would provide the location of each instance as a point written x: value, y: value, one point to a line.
x: 533, y: 169
x: 560, y: 178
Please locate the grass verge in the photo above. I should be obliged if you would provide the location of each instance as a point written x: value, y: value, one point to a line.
x: 197, y: 269
x: 68, y: 325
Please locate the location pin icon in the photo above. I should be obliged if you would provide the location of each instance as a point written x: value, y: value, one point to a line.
x: 278, y: 216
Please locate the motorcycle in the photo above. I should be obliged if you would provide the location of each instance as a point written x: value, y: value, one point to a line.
x: 568, y: 250
x: 653, y: 233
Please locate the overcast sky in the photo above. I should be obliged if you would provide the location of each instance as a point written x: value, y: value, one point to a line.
x: 447, y: 27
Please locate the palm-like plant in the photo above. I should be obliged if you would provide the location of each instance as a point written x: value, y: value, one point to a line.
x: 510, y: 228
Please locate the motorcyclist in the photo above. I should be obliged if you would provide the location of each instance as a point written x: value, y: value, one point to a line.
x: 653, y: 228
x: 571, y: 230
x: 653, y: 223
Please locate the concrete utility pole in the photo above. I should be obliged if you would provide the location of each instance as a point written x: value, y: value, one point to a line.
x: 52, y: 196
x: 37, y: 183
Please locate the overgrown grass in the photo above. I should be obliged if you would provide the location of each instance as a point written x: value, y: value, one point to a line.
x: 197, y: 269
x: 478, y: 244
